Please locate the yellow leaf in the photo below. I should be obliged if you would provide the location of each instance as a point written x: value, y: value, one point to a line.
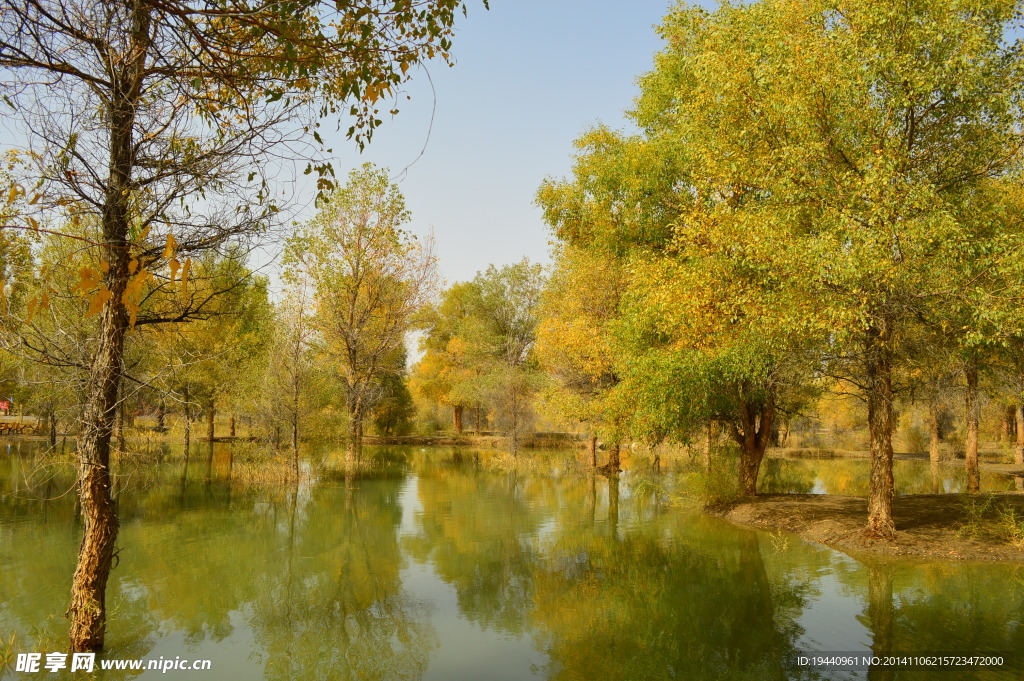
x: 175, y: 266
x: 98, y: 300
x: 170, y: 247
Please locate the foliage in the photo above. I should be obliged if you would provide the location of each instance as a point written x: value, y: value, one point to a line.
x: 369, y: 278
x: 479, y: 344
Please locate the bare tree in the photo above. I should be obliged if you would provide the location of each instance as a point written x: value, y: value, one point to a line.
x: 157, y: 119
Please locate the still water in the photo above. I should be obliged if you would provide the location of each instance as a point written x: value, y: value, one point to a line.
x: 426, y: 567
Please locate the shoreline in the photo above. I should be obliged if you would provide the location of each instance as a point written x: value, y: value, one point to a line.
x: 927, y: 525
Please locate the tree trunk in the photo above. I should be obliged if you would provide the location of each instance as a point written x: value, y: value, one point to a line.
x: 971, y: 408
x: 614, y: 464
x: 1018, y: 452
x: 87, y: 610
x: 295, y: 442
x: 593, y: 451
x: 211, y: 415
x: 355, y: 439
x: 708, y: 444
x: 53, y: 428
x: 119, y: 419
x: 231, y: 425
x: 161, y: 416
x: 296, y: 390
x: 188, y: 422
x: 457, y: 418
x: 881, y: 486
x: 476, y: 427
x: 753, y: 436
x: 933, y: 430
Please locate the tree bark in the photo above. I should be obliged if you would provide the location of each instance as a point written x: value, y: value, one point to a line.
x: 87, y: 610
x: 231, y: 426
x: 593, y: 451
x: 161, y: 416
x: 457, y: 418
x: 119, y: 420
x: 476, y: 427
x: 881, y: 486
x: 752, y: 436
x: 971, y: 408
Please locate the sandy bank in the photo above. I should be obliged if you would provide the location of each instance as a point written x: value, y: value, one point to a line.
x: 926, y: 525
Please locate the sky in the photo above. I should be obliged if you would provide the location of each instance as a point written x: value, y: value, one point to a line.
x: 531, y: 77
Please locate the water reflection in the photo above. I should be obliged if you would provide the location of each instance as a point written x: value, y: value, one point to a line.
x: 850, y: 477
x: 570, y: 578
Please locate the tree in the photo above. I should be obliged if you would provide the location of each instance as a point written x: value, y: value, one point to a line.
x: 155, y: 118
x: 370, y: 278
x: 448, y: 372
x: 291, y: 368
x: 576, y: 343
x: 479, y: 345
x: 844, y: 143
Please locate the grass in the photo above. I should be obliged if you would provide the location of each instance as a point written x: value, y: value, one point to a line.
x: 985, y: 517
x: 8, y: 652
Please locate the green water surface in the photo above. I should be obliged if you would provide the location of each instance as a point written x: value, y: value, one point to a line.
x: 426, y: 568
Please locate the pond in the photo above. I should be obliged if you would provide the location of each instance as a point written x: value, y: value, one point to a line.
x: 426, y: 567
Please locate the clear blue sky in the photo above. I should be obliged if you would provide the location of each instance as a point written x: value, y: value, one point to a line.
x: 531, y: 77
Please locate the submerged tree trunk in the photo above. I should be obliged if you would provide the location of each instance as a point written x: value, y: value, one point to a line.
x: 1018, y: 451
x: 971, y: 408
x: 355, y: 439
x: 614, y: 464
x: 211, y: 415
x: 87, y: 610
x: 53, y: 427
x: 881, y: 486
x: 933, y: 430
x: 457, y: 418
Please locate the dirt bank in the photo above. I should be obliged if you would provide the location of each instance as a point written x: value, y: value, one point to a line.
x: 927, y: 525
